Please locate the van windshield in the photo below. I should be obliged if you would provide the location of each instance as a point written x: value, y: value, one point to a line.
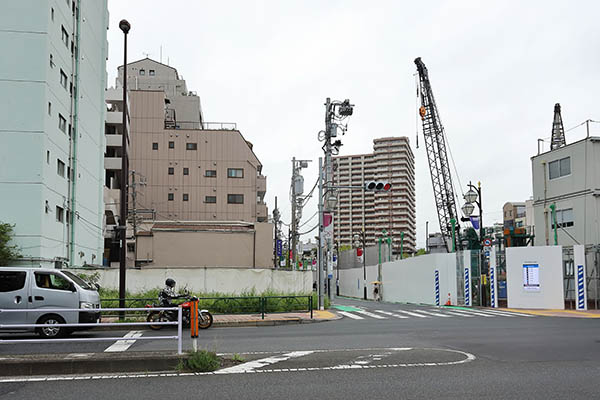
x: 78, y: 280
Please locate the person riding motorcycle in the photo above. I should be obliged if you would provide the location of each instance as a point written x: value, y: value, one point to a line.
x: 168, y: 293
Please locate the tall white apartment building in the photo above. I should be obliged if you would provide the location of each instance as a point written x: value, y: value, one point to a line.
x: 52, y: 88
x: 392, y: 160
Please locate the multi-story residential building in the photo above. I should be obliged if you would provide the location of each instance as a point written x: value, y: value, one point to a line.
x: 113, y: 129
x: 392, y: 160
x: 52, y: 81
x: 568, y: 178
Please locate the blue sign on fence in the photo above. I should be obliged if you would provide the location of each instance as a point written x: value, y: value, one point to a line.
x: 501, y: 289
x: 279, y: 247
x: 580, y: 287
x: 437, y: 287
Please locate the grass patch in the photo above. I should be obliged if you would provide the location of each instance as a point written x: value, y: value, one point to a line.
x: 236, y: 357
x: 200, y: 361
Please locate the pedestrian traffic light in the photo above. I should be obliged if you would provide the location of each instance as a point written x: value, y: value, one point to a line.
x: 381, y: 186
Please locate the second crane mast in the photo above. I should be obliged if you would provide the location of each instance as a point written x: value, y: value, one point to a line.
x: 435, y: 145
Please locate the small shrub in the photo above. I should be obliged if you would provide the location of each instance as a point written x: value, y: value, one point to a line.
x: 200, y: 361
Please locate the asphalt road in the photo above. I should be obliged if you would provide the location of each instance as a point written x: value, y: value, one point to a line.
x: 412, y: 357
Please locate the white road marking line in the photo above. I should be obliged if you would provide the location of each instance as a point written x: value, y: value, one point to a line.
x: 369, y: 314
x: 508, y: 313
x: 350, y: 315
x: 468, y: 358
x: 390, y: 314
x: 458, y: 314
x: 251, y: 366
x: 434, y: 314
x: 412, y: 314
x: 122, y: 345
x: 471, y: 312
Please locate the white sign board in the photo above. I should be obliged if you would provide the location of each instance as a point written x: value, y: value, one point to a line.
x: 531, y: 277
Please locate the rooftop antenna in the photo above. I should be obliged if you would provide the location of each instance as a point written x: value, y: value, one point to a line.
x: 558, y: 131
x: 146, y: 54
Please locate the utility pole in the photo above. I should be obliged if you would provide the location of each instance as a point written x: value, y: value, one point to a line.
x: 276, y: 244
x: 293, y: 223
x: 320, y: 247
x: 134, y: 198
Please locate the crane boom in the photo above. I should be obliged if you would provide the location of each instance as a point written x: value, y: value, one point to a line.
x: 435, y: 145
x: 558, y: 131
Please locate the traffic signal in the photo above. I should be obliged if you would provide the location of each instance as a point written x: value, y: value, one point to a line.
x: 359, y: 252
x: 382, y: 186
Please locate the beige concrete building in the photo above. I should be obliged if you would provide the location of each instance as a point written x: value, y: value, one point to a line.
x: 392, y: 160
x: 202, y: 175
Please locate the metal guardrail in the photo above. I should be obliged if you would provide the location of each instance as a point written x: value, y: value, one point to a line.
x: 179, y: 324
x: 241, y: 305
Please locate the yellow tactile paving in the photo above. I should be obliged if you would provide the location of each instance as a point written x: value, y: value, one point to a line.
x: 558, y: 313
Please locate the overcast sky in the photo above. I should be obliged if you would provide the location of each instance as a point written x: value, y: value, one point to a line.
x: 496, y: 68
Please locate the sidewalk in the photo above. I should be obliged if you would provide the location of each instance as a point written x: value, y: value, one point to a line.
x: 232, y: 320
x: 555, y: 313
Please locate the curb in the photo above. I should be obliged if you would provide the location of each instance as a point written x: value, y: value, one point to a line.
x: 88, y: 363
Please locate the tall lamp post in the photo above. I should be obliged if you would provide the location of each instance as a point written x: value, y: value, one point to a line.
x: 359, y: 239
x: 125, y: 27
x: 474, y: 196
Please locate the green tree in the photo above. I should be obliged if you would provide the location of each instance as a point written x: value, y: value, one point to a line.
x: 420, y: 252
x: 8, y: 252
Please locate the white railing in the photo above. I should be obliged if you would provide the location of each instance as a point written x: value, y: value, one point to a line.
x: 179, y: 336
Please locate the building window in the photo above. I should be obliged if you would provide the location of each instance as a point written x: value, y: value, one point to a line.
x: 235, y: 173
x: 186, y: 171
x: 170, y: 197
x: 154, y: 146
x: 49, y: 108
x: 171, y: 170
x: 60, y: 214
x: 65, y: 36
x: 564, y: 218
x: 235, y: 199
x: 142, y: 72
x: 171, y: 145
x: 210, y: 173
x: 151, y: 72
x: 210, y: 199
x: 186, y: 197
x: 62, y: 123
x: 191, y: 146
x: 560, y: 168
x: 63, y: 79
x: 60, y: 168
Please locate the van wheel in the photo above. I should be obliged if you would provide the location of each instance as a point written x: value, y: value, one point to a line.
x: 53, y: 330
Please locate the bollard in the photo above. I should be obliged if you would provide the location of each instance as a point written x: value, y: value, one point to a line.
x: 194, y: 323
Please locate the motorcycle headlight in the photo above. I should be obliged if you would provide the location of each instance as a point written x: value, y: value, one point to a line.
x: 86, y: 305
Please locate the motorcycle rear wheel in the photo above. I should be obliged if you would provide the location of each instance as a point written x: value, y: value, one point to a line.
x: 156, y: 317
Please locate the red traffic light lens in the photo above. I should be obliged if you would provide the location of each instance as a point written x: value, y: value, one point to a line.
x: 387, y: 186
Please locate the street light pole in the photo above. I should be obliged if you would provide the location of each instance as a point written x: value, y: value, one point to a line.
x: 125, y: 27
x: 362, y: 239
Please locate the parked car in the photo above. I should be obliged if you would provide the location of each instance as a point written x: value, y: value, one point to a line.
x: 35, y: 289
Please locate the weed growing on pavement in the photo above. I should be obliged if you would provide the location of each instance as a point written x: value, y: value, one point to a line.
x: 237, y: 357
x: 200, y: 361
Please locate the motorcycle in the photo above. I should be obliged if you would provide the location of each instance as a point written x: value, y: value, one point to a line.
x: 205, y: 318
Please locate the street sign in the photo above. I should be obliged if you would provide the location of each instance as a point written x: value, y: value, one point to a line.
x: 487, y: 242
x: 279, y: 247
x: 487, y: 253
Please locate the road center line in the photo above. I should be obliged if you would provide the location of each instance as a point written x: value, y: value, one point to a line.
x: 122, y: 345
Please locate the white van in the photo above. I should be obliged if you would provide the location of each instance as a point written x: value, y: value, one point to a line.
x: 36, y: 289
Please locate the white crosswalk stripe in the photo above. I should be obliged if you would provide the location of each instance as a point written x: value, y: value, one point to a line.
x: 431, y: 313
x: 350, y: 315
x: 368, y: 314
x: 412, y: 314
x: 391, y: 314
